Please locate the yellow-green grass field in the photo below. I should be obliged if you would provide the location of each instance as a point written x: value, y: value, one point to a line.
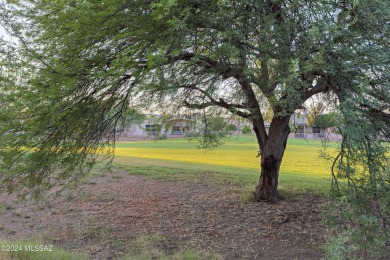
x: 234, y: 162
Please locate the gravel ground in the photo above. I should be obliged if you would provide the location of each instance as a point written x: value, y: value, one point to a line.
x: 106, y: 215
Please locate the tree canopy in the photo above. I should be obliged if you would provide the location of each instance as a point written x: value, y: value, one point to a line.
x: 81, y: 64
x: 75, y: 67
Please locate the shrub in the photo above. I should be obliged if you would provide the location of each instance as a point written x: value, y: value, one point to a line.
x: 246, y: 129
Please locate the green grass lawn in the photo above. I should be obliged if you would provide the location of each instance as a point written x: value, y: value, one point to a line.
x: 235, y: 162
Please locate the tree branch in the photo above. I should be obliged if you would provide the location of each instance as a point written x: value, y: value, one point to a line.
x: 376, y: 111
x: 256, y: 116
x: 321, y: 86
x: 233, y: 108
x: 223, y: 69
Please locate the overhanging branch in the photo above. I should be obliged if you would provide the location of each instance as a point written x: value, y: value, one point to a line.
x: 321, y: 86
x: 232, y: 108
x: 221, y: 68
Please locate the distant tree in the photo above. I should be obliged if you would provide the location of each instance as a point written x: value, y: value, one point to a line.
x: 133, y: 116
x: 313, y: 112
x: 330, y: 120
x: 217, y: 124
x: 268, y: 115
x: 83, y: 63
x: 246, y: 129
x: 231, y: 127
x: 130, y: 117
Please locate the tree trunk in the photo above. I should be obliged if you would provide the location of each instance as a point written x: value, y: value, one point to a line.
x: 271, y: 159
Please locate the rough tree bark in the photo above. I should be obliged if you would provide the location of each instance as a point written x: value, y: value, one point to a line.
x: 271, y: 158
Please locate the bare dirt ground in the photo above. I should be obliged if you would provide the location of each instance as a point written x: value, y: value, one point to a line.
x: 104, y: 216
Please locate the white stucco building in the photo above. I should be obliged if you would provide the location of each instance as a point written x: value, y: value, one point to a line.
x: 157, y: 125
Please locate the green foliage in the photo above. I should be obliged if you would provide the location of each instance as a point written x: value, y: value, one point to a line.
x: 231, y: 127
x: 217, y: 124
x: 330, y: 120
x: 64, y: 97
x: 358, y: 216
x: 132, y: 117
x: 210, y: 135
x: 210, y: 139
x: 246, y: 129
x: 74, y: 68
x: 161, y: 136
x: 268, y: 115
x: 293, y: 128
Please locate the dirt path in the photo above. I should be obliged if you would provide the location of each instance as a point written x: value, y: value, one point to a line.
x: 106, y: 215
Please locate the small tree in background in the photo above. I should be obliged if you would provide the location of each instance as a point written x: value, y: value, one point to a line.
x: 313, y: 112
x: 246, y: 129
x: 217, y: 124
x: 330, y: 120
x: 231, y: 127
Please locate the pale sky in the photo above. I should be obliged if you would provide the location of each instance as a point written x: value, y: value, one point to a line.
x: 3, y: 33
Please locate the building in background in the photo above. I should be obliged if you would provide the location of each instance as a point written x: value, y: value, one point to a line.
x: 161, y: 127
x: 157, y: 125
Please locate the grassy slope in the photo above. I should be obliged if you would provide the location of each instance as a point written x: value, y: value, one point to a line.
x: 235, y: 162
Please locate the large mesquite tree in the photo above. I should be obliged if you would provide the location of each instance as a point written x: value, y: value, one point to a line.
x: 84, y: 63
